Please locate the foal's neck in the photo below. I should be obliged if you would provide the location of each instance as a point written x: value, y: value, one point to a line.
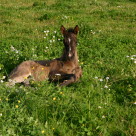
x: 73, y: 59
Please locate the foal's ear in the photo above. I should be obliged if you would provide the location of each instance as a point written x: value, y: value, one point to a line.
x: 76, y: 29
x: 62, y: 29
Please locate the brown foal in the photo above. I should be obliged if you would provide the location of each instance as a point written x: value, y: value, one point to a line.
x: 64, y: 69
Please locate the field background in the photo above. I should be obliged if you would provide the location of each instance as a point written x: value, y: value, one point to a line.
x: 103, y: 102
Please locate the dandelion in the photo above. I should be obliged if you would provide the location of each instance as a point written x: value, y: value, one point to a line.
x: 53, y: 128
x: 61, y: 92
x: 54, y: 98
x: 42, y: 68
x: 25, y: 77
x: 42, y: 131
x: 6, y: 99
x: 32, y: 67
x: 18, y: 101
x: 16, y: 106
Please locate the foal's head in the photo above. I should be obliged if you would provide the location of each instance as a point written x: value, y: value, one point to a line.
x: 70, y: 41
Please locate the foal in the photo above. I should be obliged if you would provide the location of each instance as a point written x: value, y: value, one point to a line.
x: 65, y: 69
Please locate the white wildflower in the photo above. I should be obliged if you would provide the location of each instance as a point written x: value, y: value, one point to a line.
x: 99, y: 107
x: 105, y: 86
x: 17, y: 51
x: 134, y: 102
x: 96, y: 77
x: 107, y: 78
x: 133, y: 55
x: 46, y: 47
x: 127, y: 56
x: 12, y: 48
x: 44, y: 37
x: 132, y: 58
x: 101, y: 79
x: 135, y: 61
x: 103, y: 116
x: 55, y: 31
x: 1, y: 81
x: 53, y: 36
x: 0, y: 114
x: 3, y: 77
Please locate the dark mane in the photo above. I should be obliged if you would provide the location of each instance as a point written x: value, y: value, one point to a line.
x: 71, y: 30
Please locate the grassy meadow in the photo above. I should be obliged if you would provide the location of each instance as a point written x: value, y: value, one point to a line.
x: 103, y: 103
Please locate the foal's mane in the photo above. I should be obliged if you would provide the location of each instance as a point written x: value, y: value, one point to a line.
x: 70, y: 30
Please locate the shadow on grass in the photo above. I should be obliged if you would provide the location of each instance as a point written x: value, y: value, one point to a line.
x: 125, y: 90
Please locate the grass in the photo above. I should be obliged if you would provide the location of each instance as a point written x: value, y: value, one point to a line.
x: 103, y: 102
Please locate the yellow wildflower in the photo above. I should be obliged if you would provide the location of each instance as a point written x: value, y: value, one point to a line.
x: 42, y: 131
x: 25, y: 77
x: 32, y: 67
x: 42, y: 68
x: 61, y: 92
x: 19, y: 101
x: 7, y: 99
x: 16, y: 106
x: 54, y: 98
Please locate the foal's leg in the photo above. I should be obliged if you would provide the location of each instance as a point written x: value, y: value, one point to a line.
x: 71, y: 78
x: 20, y: 73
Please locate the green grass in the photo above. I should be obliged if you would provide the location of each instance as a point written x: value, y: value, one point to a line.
x: 103, y: 102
